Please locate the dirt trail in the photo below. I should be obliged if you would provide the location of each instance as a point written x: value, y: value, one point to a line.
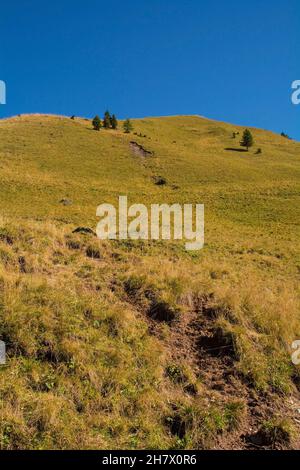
x: 211, y: 354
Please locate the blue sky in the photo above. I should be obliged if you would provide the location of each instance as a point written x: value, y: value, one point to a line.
x: 229, y: 60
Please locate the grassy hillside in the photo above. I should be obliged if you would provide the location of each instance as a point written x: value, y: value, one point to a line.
x: 142, y: 344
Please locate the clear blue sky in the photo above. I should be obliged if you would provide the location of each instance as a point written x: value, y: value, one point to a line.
x: 229, y: 60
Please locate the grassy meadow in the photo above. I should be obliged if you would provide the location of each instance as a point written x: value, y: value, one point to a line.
x: 134, y: 345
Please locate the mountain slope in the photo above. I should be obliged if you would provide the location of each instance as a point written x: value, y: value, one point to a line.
x: 142, y: 344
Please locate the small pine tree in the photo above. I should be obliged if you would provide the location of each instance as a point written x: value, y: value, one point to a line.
x: 127, y: 126
x: 247, y: 140
x: 113, y: 122
x: 106, y: 120
x: 97, y: 123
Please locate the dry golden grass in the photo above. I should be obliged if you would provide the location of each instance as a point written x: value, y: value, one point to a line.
x: 106, y: 339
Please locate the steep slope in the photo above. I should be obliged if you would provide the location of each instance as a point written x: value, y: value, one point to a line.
x: 142, y: 344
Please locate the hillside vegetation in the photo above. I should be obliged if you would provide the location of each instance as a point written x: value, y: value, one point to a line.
x: 123, y: 344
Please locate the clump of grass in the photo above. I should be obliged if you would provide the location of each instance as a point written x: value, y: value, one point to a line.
x: 93, y: 252
x: 176, y: 374
x: 276, y: 432
x: 160, y: 181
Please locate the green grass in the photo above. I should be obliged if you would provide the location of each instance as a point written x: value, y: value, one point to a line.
x: 84, y: 370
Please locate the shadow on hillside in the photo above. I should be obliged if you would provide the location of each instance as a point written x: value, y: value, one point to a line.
x: 235, y: 149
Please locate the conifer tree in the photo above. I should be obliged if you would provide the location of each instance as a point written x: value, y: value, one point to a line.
x: 247, y: 139
x: 106, y: 120
x: 97, y: 123
x: 113, y: 122
x: 127, y: 126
